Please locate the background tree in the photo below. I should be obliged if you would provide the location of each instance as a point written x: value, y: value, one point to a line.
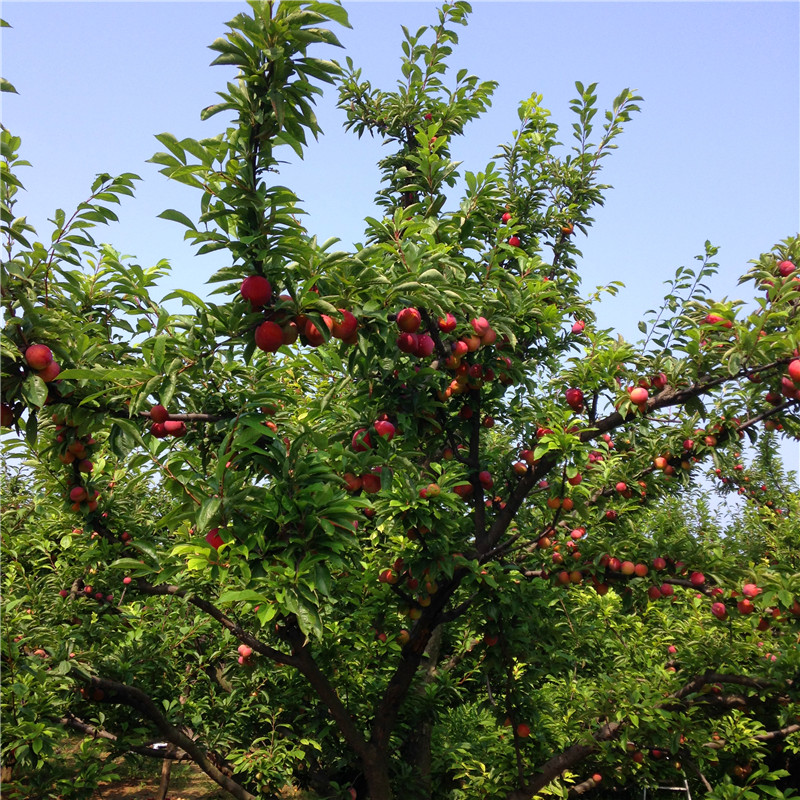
x: 341, y: 529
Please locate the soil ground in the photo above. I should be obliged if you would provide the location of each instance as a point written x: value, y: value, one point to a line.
x: 187, y: 782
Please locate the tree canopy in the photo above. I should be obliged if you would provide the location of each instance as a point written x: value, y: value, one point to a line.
x: 400, y: 519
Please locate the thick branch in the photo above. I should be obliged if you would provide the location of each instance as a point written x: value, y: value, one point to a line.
x: 71, y: 721
x: 571, y: 757
x: 164, y: 589
x: 400, y: 682
x: 304, y: 661
x: 699, y: 681
x: 584, y: 786
x: 301, y: 658
x: 669, y: 396
x: 575, y: 754
x: 135, y: 698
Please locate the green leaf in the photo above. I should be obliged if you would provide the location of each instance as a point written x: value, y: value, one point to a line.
x: 334, y: 12
x: 243, y: 595
x: 309, y: 621
x: 130, y: 564
x: 80, y: 374
x: 32, y: 429
x: 207, y: 513
x: 177, y: 216
x: 192, y: 299
x: 172, y: 144
x: 34, y: 391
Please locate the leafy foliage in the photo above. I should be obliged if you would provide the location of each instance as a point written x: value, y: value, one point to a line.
x: 402, y: 518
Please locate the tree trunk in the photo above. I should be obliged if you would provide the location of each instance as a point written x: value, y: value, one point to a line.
x: 163, y: 786
x: 376, y: 772
x: 418, y: 753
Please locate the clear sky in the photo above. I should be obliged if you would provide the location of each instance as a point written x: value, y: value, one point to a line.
x: 714, y: 154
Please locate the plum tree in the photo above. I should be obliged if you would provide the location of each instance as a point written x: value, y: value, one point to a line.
x: 370, y: 469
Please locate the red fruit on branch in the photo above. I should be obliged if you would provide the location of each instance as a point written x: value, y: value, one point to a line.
x: 788, y: 388
x: 424, y: 347
x: 385, y: 429
x: 785, y: 268
x: 407, y: 342
x: 314, y: 335
x: 159, y: 413
x: 6, y: 415
x: 659, y: 381
x: 388, y: 575
x: 697, y: 579
x: 38, y: 356
x: 77, y: 494
x: 50, y: 372
x: 269, y: 337
x: 353, y: 482
x: 574, y: 399
x: 447, y: 324
x: 639, y: 395
x: 719, y: 610
x: 578, y: 326
x: 480, y: 325
x: 347, y: 327
x: 257, y: 290
x: 409, y: 320
x: 472, y: 343
x: 361, y: 441
x: 371, y: 483
x: 514, y: 241
x: 214, y: 539
x: 290, y: 333
x: 173, y: 427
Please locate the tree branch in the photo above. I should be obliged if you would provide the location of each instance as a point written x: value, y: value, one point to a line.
x: 71, y: 721
x: 135, y: 698
x: 164, y: 589
x: 571, y: 757
x: 301, y: 658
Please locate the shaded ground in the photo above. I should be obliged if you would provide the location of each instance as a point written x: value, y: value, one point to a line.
x: 188, y: 782
x: 139, y: 779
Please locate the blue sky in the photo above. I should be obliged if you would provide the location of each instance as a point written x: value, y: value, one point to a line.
x: 713, y: 155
